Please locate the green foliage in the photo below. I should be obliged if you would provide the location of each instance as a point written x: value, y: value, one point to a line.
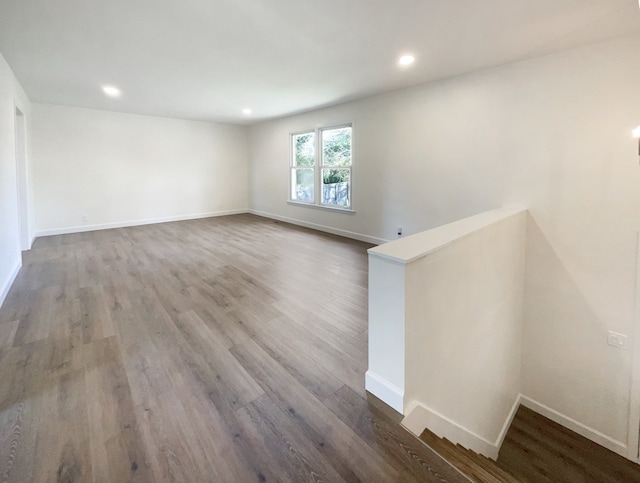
x: 330, y: 176
x: 336, y: 147
x: 304, y: 149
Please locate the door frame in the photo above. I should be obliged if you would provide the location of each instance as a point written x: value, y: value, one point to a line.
x: 633, y: 438
x: 22, y: 176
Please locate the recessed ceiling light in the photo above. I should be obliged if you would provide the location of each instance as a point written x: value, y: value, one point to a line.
x: 406, y: 60
x: 246, y: 111
x: 111, y: 91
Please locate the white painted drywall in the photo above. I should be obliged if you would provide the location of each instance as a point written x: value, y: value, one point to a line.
x: 552, y: 134
x: 120, y: 168
x: 11, y: 95
x: 464, y: 326
x: 385, y: 375
x: 454, y: 294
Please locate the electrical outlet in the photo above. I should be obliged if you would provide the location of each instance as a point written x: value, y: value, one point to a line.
x: 400, y: 231
x: 85, y: 218
x: 617, y: 340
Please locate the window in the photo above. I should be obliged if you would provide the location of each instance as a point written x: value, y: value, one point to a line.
x: 321, y: 163
x: 303, y: 167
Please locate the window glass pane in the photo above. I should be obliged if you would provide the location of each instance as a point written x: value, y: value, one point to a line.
x: 302, y: 184
x: 336, y: 187
x: 303, y: 149
x: 336, y: 147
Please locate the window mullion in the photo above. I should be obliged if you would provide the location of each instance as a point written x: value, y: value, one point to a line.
x: 318, y: 166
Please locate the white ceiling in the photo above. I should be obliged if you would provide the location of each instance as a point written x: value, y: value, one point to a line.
x: 209, y: 59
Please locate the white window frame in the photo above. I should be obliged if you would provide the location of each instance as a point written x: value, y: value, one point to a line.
x: 293, y: 167
x: 317, y: 167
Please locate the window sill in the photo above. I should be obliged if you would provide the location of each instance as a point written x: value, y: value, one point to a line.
x: 322, y: 207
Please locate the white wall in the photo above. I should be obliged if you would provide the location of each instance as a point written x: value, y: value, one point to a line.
x: 552, y: 134
x: 464, y: 326
x: 120, y: 169
x: 385, y: 376
x: 11, y: 95
x: 458, y: 307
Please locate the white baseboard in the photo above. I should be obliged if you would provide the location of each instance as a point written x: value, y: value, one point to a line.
x: 7, y: 285
x: 385, y: 391
x: 418, y: 417
x: 326, y: 229
x: 575, y: 426
x: 123, y: 224
x: 507, y: 422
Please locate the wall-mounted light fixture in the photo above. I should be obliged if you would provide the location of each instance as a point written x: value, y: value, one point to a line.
x: 636, y: 134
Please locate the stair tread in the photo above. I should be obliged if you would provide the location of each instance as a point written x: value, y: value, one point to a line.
x: 475, y: 466
x: 491, y: 466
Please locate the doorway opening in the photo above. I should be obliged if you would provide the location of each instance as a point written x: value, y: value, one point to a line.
x: 22, y: 179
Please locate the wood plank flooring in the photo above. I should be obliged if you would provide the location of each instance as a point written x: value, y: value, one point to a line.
x: 220, y: 350
x: 536, y: 449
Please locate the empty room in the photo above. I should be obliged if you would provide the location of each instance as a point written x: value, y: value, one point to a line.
x: 355, y: 240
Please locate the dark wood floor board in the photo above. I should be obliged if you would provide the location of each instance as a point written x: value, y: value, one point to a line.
x: 128, y: 276
x: 227, y: 326
x: 333, y: 455
x: 212, y: 409
x: 117, y: 452
x: 230, y: 456
x: 342, y: 365
x: 18, y: 433
x: 293, y: 357
x: 117, y: 300
x: 22, y: 288
x: 298, y: 314
x: 251, y: 288
x: 143, y: 362
x: 45, y: 274
x: 174, y: 298
x: 211, y: 354
x: 542, y: 455
x: 334, y: 305
x: 281, y: 441
x: 8, y: 333
x: 183, y: 276
x: 225, y: 295
x: 35, y: 322
x: 567, y: 446
x: 320, y: 424
x: 18, y: 369
x: 89, y: 271
x: 174, y: 452
x: 66, y: 335
x: 95, y: 317
x: 328, y: 311
x: 152, y: 315
x: 532, y: 469
x: 376, y: 424
x: 255, y: 317
x: 17, y: 302
x: 212, y: 370
x: 62, y: 446
x: 537, y: 449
